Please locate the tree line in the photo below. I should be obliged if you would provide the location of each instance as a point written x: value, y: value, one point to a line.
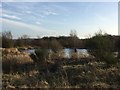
x: 71, y: 41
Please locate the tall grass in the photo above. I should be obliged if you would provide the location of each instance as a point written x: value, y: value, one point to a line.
x: 14, y: 62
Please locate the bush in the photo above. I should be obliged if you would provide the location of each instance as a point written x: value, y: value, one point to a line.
x: 102, y: 47
x: 55, y: 46
x: 40, y: 55
x: 118, y: 47
x: 56, y: 55
x: 109, y: 58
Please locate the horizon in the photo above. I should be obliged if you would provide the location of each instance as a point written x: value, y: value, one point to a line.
x: 58, y: 19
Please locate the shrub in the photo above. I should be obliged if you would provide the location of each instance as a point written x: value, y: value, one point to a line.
x: 55, y: 46
x: 56, y: 50
x: 118, y: 47
x: 40, y: 55
x: 102, y: 47
x: 109, y: 58
x: 56, y: 55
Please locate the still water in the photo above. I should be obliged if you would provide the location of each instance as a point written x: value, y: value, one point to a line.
x: 82, y: 52
x: 67, y: 52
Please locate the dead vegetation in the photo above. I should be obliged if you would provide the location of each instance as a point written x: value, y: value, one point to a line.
x: 20, y: 71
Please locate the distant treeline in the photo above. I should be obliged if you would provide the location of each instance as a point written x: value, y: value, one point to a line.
x: 64, y: 41
x: 71, y: 41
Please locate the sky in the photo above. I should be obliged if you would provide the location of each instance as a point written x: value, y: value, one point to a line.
x: 58, y: 18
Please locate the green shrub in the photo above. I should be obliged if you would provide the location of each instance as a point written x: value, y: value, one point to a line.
x: 41, y: 55
x: 102, y: 47
x: 118, y: 47
x: 109, y: 58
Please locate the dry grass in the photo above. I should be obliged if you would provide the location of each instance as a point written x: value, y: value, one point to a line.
x: 12, y: 60
x: 23, y: 80
x: 79, y: 73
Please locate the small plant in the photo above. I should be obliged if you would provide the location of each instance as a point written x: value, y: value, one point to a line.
x: 40, y: 58
x: 109, y: 58
x: 41, y: 55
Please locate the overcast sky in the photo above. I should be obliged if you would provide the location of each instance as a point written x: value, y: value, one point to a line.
x: 57, y: 19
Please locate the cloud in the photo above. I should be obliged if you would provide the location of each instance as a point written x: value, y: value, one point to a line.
x: 59, y: 0
x: 60, y: 7
x: 0, y: 5
x: 29, y: 12
x: 38, y: 23
x: 33, y: 30
x: 36, y: 15
x: 101, y: 18
x: 45, y: 12
x: 11, y: 16
x: 1, y: 13
x: 8, y: 0
x: 21, y: 24
x: 10, y: 12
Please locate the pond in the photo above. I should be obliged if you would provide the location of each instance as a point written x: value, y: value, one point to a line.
x: 67, y: 52
x: 82, y: 52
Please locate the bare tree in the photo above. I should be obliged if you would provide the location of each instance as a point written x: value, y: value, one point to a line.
x: 74, y: 39
x: 73, y: 33
x: 7, y: 41
x: 24, y: 37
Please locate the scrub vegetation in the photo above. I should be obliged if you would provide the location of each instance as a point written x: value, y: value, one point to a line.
x: 48, y: 68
